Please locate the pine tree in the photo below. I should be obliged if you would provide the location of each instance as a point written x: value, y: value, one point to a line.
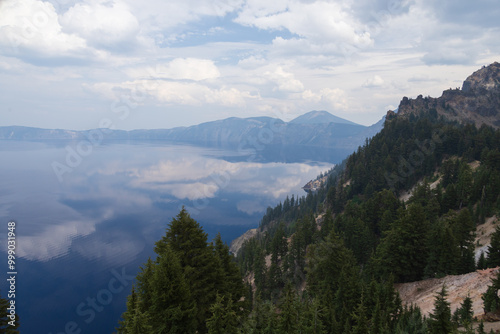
x: 231, y: 283
x: 224, y: 319
x: 411, y: 321
x: 480, y: 328
x: 263, y: 319
x: 481, y: 262
x: 465, y: 313
x: 360, y: 318
x: 464, y: 186
x: 440, y: 318
x: 464, y: 229
x: 134, y: 320
x: 173, y: 308
x: 443, y: 250
x: 403, y: 251
x: 490, y: 298
x: 202, y: 269
x: 289, y: 317
x: 178, y: 292
x: 493, y: 258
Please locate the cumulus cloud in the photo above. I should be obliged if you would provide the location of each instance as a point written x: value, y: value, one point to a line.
x: 30, y: 30
x: 285, y: 80
x: 326, y: 25
x: 333, y: 97
x: 256, y: 57
x: 172, y: 92
x: 107, y: 25
x: 375, y: 81
x: 195, y: 69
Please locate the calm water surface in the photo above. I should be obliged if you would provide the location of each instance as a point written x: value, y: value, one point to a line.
x: 82, y: 236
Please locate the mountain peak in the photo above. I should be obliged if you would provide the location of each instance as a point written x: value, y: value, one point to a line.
x: 487, y: 78
x: 478, y: 102
x: 320, y: 117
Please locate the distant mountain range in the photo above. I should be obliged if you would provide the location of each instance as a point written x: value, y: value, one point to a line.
x: 316, y: 135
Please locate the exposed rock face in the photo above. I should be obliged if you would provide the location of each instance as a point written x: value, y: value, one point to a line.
x: 478, y: 101
x: 238, y: 242
x: 423, y: 293
x: 487, y: 78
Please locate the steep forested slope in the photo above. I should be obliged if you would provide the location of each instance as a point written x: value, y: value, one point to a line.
x: 327, y: 262
x: 356, y: 228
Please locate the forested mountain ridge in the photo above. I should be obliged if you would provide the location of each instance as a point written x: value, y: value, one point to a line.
x: 357, y: 220
x: 328, y: 262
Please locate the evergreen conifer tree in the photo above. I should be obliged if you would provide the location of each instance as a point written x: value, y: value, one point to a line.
x: 440, y: 319
x: 493, y: 258
x: 173, y: 308
x: 224, y: 319
x: 481, y: 262
x: 202, y: 269
x: 465, y: 313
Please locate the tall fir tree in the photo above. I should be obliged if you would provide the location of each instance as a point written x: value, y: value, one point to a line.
x: 224, y: 318
x: 173, y: 307
x: 403, y: 251
x: 189, y: 283
x: 464, y: 229
x: 202, y: 269
x: 493, y: 258
x: 440, y: 319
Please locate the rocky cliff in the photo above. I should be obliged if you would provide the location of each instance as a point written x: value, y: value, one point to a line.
x: 477, y: 102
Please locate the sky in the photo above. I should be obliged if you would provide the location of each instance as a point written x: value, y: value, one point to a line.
x: 147, y: 64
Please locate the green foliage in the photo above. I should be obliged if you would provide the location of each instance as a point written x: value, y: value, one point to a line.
x: 493, y: 258
x: 411, y: 321
x: 465, y: 314
x: 225, y: 317
x: 481, y: 262
x: 491, y: 301
x: 440, y: 319
x: 402, y: 251
x: 191, y: 285
x: 365, y: 237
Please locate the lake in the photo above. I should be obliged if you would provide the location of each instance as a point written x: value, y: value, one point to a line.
x: 86, y: 222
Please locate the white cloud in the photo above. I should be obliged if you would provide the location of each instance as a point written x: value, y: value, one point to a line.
x: 105, y: 25
x: 30, y: 29
x: 172, y: 92
x: 285, y: 80
x: 375, y: 81
x: 233, y: 57
x: 178, y: 69
x: 319, y: 24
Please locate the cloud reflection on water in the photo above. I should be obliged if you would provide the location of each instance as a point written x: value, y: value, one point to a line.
x: 147, y: 181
